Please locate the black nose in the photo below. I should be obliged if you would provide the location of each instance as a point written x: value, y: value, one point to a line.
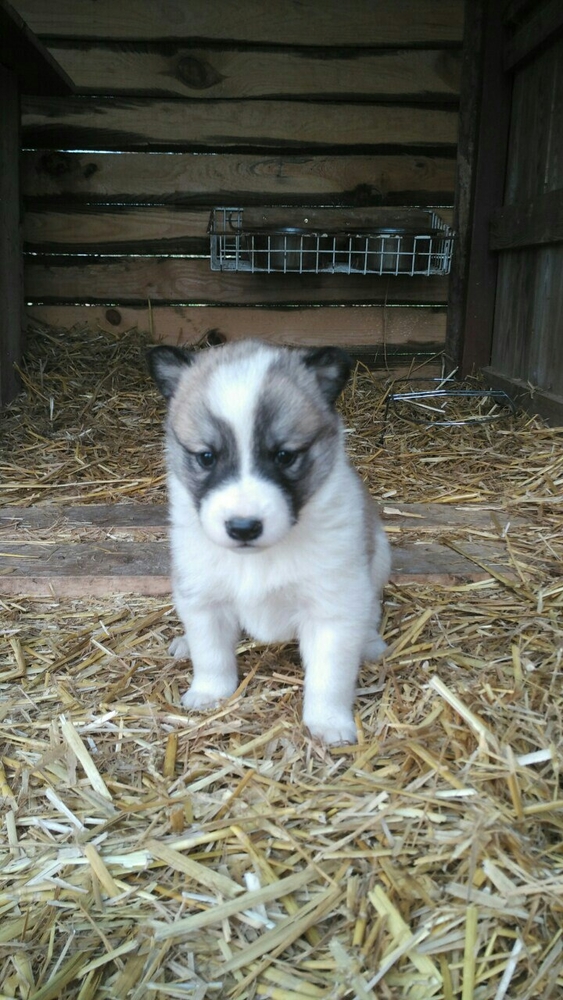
x: 244, y: 529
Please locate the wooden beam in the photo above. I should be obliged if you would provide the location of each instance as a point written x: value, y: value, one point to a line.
x: 138, y: 123
x: 184, y: 281
x: 470, y: 99
x: 548, y: 405
x: 110, y: 562
x: 174, y: 229
x: 316, y: 23
x: 127, y: 229
x: 417, y: 331
x: 118, y: 567
x: 530, y: 223
x: 513, y: 10
x: 129, y: 518
x: 255, y: 179
x: 11, y: 266
x: 140, y: 68
x: 21, y: 52
x: 545, y: 23
x: 486, y: 94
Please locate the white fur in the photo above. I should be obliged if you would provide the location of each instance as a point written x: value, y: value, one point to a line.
x: 249, y: 496
x: 311, y: 580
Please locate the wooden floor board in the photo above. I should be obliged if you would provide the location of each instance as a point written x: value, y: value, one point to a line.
x: 99, y: 550
x: 140, y: 517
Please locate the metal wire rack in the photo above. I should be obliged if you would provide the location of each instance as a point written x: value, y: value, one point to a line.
x: 383, y: 241
x: 428, y: 406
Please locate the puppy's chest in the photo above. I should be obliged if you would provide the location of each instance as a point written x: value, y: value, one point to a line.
x: 272, y: 619
x: 267, y: 606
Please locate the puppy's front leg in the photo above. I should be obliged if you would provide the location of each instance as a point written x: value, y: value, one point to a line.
x: 211, y: 636
x: 331, y: 653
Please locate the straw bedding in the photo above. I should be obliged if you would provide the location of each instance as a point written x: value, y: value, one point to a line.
x: 147, y: 853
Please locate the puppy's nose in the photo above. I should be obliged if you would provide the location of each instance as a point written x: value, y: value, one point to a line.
x: 244, y: 529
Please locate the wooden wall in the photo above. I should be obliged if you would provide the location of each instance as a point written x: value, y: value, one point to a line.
x: 188, y: 104
x: 527, y: 232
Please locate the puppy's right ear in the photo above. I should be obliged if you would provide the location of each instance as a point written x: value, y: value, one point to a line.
x: 166, y: 364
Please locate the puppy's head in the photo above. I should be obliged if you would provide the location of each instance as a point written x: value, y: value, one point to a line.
x: 252, y: 433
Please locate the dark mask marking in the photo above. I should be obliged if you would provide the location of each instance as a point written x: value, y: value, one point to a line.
x: 311, y: 440
x: 218, y: 440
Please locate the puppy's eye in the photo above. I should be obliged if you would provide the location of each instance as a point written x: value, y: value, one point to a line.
x: 285, y: 458
x: 206, y: 459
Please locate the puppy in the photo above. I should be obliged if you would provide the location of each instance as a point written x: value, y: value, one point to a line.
x: 272, y: 531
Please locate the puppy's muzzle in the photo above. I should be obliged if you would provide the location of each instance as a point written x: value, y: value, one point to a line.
x: 244, y: 529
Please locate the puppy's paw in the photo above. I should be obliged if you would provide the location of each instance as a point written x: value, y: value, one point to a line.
x: 334, y: 729
x: 202, y: 698
x: 179, y: 648
x: 375, y: 648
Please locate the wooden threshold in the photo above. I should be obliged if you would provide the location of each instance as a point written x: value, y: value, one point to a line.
x: 53, y: 551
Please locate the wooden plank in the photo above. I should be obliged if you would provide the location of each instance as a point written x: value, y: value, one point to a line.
x: 528, y: 343
x: 73, y: 569
x: 514, y: 308
x: 227, y: 73
x: 376, y: 327
x: 116, y: 567
x: 207, y: 178
x: 175, y: 229
x: 514, y: 11
x: 102, y: 229
x: 107, y: 517
x: 548, y: 405
x: 11, y: 268
x: 138, y: 123
x: 546, y: 21
x: 185, y: 281
x: 535, y: 151
x: 319, y: 22
x: 425, y: 518
x: 530, y: 223
x: 484, y: 173
x: 21, y: 52
x: 470, y: 99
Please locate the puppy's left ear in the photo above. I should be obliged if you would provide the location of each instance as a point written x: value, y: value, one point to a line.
x: 332, y: 368
x: 166, y: 364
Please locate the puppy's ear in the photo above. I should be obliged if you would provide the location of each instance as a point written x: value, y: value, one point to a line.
x: 166, y: 364
x: 332, y: 368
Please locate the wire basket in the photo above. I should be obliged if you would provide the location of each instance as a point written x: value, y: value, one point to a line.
x: 329, y: 241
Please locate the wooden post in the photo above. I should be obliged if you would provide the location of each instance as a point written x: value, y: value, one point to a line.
x: 25, y: 67
x: 11, y: 266
x: 482, y: 150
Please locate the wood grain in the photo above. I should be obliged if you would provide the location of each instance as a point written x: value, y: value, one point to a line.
x: 163, y: 229
x: 22, y: 53
x: 99, y: 229
x: 319, y: 22
x: 486, y: 174
x: 541, y: 26
x: 11, y: 271
x: 423, y: 518
x: 191, y: 71
x: 184, y: 178
x: 138, y: 123
x: 527, y: 345
x: 535, y: 151
x: 118, y: 567
x: 527, y: 340
x: 549, y: 405
x: 534, y: 222
x: 186, y: 281
x: 364, y: 326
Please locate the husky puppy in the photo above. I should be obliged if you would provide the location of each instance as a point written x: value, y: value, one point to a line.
x: 272, y: 531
